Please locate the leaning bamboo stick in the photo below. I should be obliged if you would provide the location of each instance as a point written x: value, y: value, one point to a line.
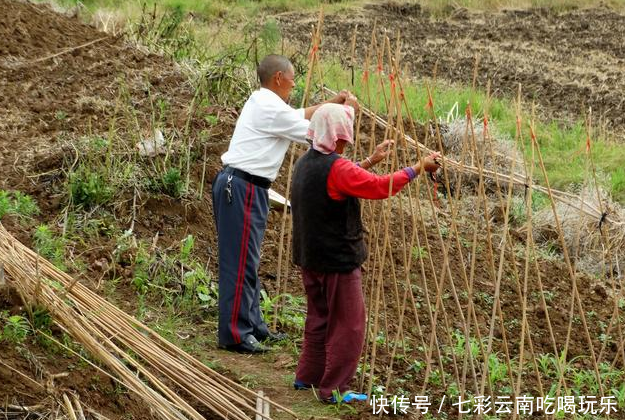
x: 567, y: 260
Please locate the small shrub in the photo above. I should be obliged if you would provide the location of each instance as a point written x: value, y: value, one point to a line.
x: 89, y: 188
x: 24, y: 205
x: 172, y: 183
x: 16, y: 329
x: 20, y: 204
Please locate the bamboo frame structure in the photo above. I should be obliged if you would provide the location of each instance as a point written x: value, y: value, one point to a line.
x: 383, y: 283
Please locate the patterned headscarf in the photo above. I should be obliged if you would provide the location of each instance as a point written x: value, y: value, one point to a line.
x: 329, y: 123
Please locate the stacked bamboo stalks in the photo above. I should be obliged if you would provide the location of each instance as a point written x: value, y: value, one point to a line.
x: 142, y: 361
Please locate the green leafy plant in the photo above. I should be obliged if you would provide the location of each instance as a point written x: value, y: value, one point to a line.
x: 24, y: 205
x: 141, y: 272
x: 291, y: 313
x: 207, y: 296
x: 172, y: 183
x: 419, y: 252
x: 497, y: 370
x: 340, y: 401
x: 186, y: 247
x: 212, y: 119
x: 60, y: 115
x: 49, y: 246
x: 619, y: 394
x: 436, y: 378
x: 417, y: 366
x: 546, y: 363
x: 20, y: 204
x: 16, y: 329
x: 89, y: 187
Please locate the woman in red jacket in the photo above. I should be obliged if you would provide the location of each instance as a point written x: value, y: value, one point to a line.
x: 329, y: 246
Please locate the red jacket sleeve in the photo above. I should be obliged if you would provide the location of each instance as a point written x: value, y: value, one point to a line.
x: 346, y: 179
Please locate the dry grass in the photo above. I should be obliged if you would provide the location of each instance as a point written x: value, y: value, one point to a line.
x: 470, y: 144
x: 597, y: 245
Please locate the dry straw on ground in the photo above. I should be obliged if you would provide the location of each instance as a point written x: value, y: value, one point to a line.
x: 468, y: 142
x: 597, y: 244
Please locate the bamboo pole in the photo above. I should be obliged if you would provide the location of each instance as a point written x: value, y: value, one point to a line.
x: 312, y: 60
x: 567, y: 260
x: 566, y: 198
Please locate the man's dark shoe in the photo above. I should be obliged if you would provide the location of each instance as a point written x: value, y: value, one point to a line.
x: 249, y: 345
x: 274, y: 337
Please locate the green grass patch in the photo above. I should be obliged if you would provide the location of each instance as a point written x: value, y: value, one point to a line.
x: 209, y: 10
x: 206, y: 10
x: 50, y: 246
x: 17, y: 203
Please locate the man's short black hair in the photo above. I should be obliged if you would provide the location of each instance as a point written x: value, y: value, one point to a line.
x: 270, y: 65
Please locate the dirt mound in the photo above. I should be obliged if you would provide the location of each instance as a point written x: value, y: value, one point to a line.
x: 65, y: 85
x: 566, y: 62
x: 51, y: 88
x: 62, y: 81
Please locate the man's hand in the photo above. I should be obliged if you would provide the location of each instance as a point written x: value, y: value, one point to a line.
x: 341, y: 97
x: 353, y: 102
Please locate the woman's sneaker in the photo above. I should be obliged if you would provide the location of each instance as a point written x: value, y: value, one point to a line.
x: 299, y: 385
x: 347, y: 398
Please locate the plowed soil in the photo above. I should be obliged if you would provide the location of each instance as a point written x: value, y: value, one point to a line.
x: 566, y: 62
x: 52, y: 90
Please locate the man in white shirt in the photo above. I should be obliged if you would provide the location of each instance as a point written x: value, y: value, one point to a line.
x: 263, y: 133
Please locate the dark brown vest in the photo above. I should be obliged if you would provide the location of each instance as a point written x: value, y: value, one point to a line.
x: 327, y: 234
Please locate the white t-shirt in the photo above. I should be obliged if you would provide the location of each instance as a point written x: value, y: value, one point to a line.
x: 263, y: 133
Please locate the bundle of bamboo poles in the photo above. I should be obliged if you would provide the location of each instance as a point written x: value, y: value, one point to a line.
x: 141, y: 360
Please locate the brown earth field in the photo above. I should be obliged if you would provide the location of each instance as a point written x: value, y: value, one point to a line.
x: 565, y: 61
x: 52, y: 98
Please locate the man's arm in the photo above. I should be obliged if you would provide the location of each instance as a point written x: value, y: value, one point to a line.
x: 343, y: 97
x: 308, y: 112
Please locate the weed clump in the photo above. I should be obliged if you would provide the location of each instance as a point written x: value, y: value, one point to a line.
x: 17, y: 203
x: 50, y: 246
x: 89, y: 188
